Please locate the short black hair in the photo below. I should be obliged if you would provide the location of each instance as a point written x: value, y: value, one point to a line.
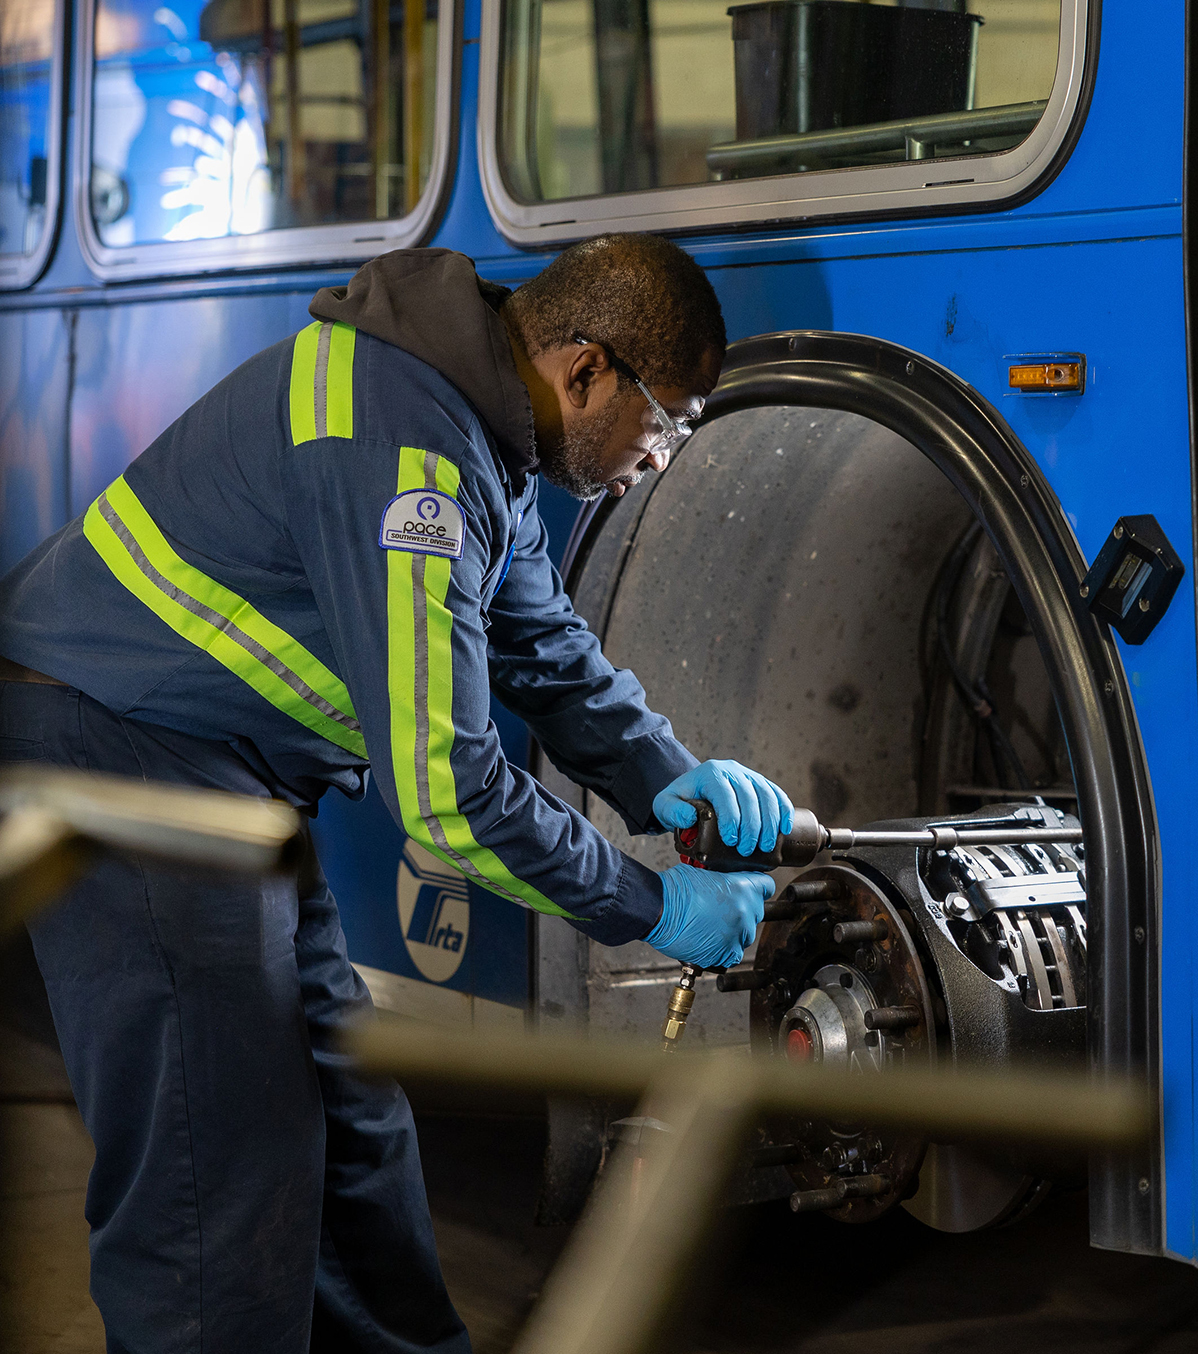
x: 640, y: 295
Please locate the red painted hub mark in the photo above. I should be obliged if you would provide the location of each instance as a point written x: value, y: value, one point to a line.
x: 799, y: 1048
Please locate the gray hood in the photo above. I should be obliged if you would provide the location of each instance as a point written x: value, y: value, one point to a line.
x: 432, y: 304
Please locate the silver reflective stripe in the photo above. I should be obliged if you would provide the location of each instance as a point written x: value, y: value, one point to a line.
x: 219, y: 622
x: 322, y: 378
x: 420, y: 634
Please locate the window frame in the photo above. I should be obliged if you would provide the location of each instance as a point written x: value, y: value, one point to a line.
x: 295, y: 246
x: 18, y: 271
x: 869, y: 191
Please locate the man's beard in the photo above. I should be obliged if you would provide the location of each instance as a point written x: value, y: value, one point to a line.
x: 574, y: 461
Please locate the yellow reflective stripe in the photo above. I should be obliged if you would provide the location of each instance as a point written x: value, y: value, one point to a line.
x: 401, y: 668
x: 321, y: 396
x: 420, y: 668
x: 303, y: 384
x: 448, y: 478
x: 227, y: 604
x: 217, y: 620
x: 340, y: 386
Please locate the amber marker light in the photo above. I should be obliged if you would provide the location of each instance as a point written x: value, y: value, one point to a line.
x: 1050, y: 376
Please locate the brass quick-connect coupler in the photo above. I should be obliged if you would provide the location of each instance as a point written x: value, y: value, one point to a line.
x: 681, y: 1000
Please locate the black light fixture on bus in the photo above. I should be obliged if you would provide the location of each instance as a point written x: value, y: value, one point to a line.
x: 1132, y: 582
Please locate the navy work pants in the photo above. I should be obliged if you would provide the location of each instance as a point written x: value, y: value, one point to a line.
x: 249, y: 1196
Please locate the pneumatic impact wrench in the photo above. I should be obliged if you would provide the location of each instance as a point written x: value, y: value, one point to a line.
x: 702, y: 846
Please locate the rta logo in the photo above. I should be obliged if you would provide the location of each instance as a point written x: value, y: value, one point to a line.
x: 431, y: 924
x: 434, y: 912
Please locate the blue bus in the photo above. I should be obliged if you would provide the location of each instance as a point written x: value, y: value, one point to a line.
x: 930, y: 556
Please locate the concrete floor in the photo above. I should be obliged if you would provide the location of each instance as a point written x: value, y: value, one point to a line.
x: 776, y: 1284
x: 43, y: 1250
x: 780, y: 1284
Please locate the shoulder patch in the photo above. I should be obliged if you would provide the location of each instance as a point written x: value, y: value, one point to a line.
x: 425, y: 522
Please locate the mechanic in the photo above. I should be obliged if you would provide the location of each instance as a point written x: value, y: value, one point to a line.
x: 330, y: 561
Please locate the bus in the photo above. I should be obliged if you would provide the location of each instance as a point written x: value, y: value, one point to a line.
x: 928, y: 558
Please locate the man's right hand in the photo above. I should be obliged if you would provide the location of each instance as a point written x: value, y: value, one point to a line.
x: 708, y: 918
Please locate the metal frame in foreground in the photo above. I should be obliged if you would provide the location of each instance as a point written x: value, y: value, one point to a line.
x: 614, y: 1287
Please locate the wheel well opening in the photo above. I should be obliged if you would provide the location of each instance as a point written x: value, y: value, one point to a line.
x: 857, y: 578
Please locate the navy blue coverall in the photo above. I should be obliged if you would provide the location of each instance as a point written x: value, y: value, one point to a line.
x: 327, y: 563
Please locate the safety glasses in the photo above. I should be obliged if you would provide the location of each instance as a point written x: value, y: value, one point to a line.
x: 666, y: 433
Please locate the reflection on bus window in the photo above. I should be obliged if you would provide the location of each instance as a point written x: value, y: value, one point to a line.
x: 238, y: 116
x: 26, y: 49
x: 612, y: 96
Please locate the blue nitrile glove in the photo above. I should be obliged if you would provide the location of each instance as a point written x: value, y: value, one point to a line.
x: 750, y: 810
x: 709, y: 918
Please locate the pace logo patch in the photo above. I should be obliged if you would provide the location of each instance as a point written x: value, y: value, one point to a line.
x: 424, y: 521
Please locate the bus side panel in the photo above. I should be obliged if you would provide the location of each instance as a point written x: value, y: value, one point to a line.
x: 33, y: 428
x: 415, y: 924
x: 139, y: 366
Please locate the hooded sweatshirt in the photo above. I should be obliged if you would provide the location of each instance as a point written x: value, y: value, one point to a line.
x: 330, y: 561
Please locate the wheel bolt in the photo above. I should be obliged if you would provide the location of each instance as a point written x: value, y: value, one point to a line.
x: 859, y: 930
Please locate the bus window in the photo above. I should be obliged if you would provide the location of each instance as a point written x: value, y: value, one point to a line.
x: 617, y: 96
x: 235, y: 117
x: 27, y: 29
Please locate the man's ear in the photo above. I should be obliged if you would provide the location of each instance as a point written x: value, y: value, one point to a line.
x: 584, y: 374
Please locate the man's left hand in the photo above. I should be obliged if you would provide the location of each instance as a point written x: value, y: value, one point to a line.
x: 750, y: 810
